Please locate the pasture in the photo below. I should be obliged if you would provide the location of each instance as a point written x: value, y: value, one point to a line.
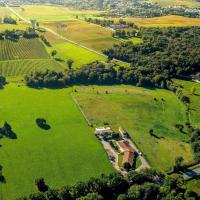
x: 136, y: 110
x: 20, y: 68
x: 194, y: 98
x: 165, y: 21
x: 53, y: 13
x: 23, y: 49
x: 87, y: 34
x: 62, y: 155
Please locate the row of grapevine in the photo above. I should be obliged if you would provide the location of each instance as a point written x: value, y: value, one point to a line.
x: 23, y: 67
x: 23, y: 49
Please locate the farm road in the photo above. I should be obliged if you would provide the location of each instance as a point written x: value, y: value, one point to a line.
x: 60, y: 36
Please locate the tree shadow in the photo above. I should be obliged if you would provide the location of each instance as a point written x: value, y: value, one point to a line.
x: 42, y: 124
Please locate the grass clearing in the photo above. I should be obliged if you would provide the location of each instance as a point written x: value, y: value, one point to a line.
x: 135, y: 109
x: 63, y: 155
x: 165, y: 21
x: 23, y: 49
x: 20, y: 68
x: 194, y: 98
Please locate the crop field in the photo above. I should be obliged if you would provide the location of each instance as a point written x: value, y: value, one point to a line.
x: 188, y: 3
x: 87, y: 34
x: 136, y: 110
x: 23, y: 49
x: 194, y: 98
x: 165, y: 21
x: 62, y: 155
x: 53, y: 13
x: 21, y: 68
x: 20, y: 26
x: 4, y: 12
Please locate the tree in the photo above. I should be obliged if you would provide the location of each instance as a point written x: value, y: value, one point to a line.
x: 178, y: 163
x: 91, y: 196
x: 40, y: 183
x: 127, y: 166
x: 70, y: 63
x: 52, y: 195
x: 37, y: 196
x: 53, y: 53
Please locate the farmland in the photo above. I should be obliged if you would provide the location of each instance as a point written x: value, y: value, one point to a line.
x: 89, y: 35
x: 136, y: 110
x: 188, y: 3
x: 53, y: 13
x: 23, y: 49
x: 165, y: 21
x: 69, y: 144
x: 20, y: 68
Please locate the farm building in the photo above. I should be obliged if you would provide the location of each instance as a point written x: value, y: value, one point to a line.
x: 129, y: 153
x: 103, y: 131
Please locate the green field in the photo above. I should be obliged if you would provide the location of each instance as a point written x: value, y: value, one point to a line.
x: 20, y: 26
x: 20, y: 68
x: 79, y: 55
x: 194, y: 98
x: 63, y: 155
x: 135, y: 109
x: 53, y: 13
x: 23, y: 49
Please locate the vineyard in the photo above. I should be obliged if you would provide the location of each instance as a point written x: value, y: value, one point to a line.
x: 23, y: 67
x: 23, y: 49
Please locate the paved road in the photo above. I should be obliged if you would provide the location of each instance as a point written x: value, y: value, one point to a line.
x: 192, y: 173
x: 144, y: 162
x: 60, y: 36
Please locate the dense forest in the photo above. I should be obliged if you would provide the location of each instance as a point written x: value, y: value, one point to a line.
x: 146, y: 185
x: 98, y: 73
x: 167, y: 51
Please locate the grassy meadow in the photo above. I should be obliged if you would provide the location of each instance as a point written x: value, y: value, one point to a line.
x: 194, y: 98
x: 62, y: 155
x: 164, y: 21
x: 136, y: 110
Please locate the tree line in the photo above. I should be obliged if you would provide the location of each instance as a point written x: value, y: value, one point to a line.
x: 9, y: 20
x: 167, y: 51
x: 15, y: 35
x: 194, y: 132
x: 146, y: 185
x: 98, y: 73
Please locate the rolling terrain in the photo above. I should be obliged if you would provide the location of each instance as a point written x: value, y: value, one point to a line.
x: 69, y: 144
x: 136, y: 110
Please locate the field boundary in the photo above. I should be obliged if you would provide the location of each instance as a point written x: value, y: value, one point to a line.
x: 79, y: 107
